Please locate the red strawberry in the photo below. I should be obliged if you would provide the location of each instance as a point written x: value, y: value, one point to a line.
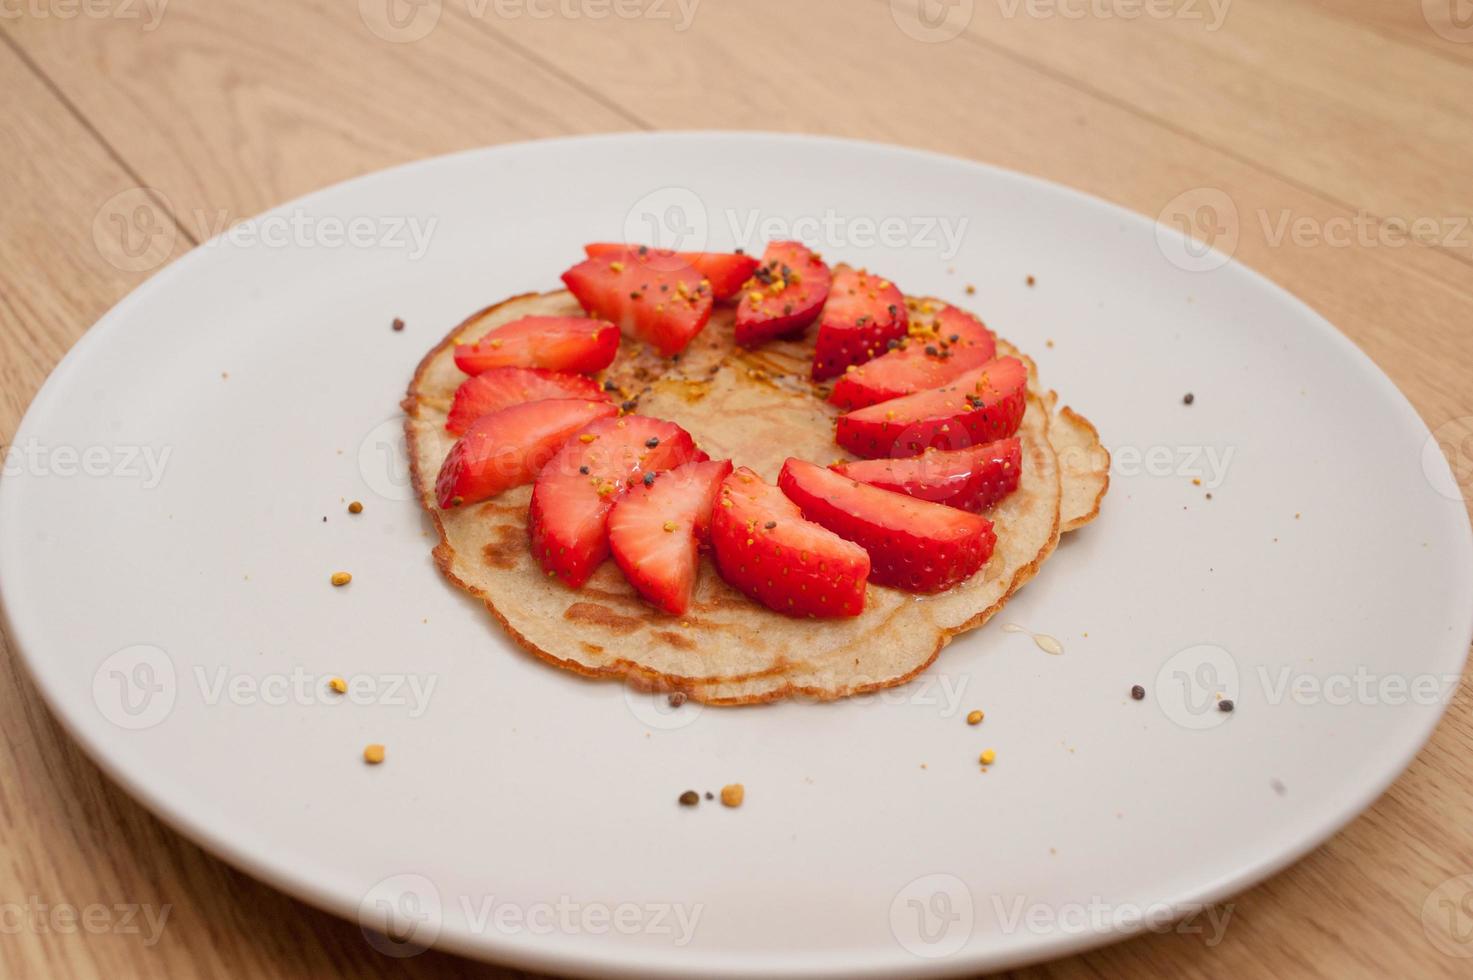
x: 663, y: 303
x: 573, y: 493
x: 980, y: 406
x: 939, y: 347
x: 862, y: 315
x: 767, y: 550
x: 508, y: 447
x: 970, y: 479
x: 725, y: 271
x: 500, y: 387
x: 783, y: 296
x: 912, y: 544
x: 655, y: 529
x: 556, y: 343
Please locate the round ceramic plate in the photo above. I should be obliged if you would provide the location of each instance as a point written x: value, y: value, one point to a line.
x: 1292, y: 540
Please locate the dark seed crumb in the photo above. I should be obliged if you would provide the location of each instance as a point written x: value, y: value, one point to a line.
x: 610, y: 386
x: 770, y: 525
x: 1138, y: 693
x: 583, y: 470
x: 676, y: 699
x: 1226, y: 704
x: 628, y: 406
x: 398, y: 323
x: 1209, y: 495
x: 324, y: 518
x: 652, y: 441
x: 1031, y: 280
x: 649, y: 479
x: 1188, y: 398
x: 710, y: 795
x: 738, y: 251
x: 931, y: 350
x: 690, y: 798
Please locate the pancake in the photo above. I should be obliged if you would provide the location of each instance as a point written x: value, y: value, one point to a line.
x: 756, y: 407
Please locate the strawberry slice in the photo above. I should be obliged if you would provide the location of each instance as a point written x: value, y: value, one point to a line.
x: 555, y: 343
x: 862, y: 315
x: 663, y: 303
x: 939, y: 346
x: 912, y: 544
x: 725, y: 271
x: 970, y: 479
x: 766, y: 549
x: 980, y: 406
x: 573, y: 493
x: 783, y: 296
x: 656, y: 528
x: 499, y: 387
x: 510, y: 446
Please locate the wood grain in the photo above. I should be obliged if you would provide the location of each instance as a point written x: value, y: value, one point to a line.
x: 1315, y: 110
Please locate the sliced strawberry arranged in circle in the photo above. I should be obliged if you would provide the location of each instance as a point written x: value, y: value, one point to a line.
x: 912, y: 544
x: 765, y: 548
x: 982, y: 405
x: 863, y: 314
x: 555, y: 343
x: 663, y: 303
x: 656, y: 529
x: 508, y: 447
x: 725, y: 271
x: 575, y: 490
x: 500, y: 387
x: 940, y: 345
x: 783, y: 296
x: 970, y: 479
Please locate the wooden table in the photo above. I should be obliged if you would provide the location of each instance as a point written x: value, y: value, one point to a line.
x: 132, y: 129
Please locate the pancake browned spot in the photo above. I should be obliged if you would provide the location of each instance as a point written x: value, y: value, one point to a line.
x: 508, y: 543
x: 597, y: 615
x: 675, y: 640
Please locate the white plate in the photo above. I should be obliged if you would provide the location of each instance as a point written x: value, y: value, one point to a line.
x: 1324, y: 587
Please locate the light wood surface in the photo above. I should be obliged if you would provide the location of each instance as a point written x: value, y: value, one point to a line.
x: 1322, y: 112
